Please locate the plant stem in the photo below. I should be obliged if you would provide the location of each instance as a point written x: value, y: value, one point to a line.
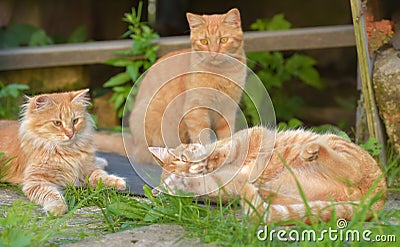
x: 365, y: 66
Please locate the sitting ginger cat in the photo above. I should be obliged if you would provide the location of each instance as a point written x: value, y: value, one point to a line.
x: 51, y: 147
x: 261, y: 166
x: 188, y: 91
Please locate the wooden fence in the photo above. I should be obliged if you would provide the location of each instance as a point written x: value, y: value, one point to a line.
x: 99, y: 51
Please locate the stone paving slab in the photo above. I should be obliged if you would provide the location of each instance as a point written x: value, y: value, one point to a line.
x: 147, y: 236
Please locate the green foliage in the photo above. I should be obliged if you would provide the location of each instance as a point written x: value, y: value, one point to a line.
x: 10, y: 99
x: 23, y: 35
x: 21, y: 226
x: 3, y: 165
x: 142, y: 37
x: 79, y: 35
x: 277, y: 22
x: 293, y: 123
x: 27, y: 35
x: 372, y: 146
x: 275, y: 71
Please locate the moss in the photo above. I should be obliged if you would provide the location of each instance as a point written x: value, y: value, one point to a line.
x: 386, y: 80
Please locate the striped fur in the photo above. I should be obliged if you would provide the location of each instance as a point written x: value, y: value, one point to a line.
x: 53, y: 147
x: 274, y: 173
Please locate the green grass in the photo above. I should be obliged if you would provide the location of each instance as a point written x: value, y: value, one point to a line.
x: 24, y: 224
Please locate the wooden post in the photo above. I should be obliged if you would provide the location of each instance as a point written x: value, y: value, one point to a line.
x: 365, y: 70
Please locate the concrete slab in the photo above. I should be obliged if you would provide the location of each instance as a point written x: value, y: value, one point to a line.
x: 147, y: 236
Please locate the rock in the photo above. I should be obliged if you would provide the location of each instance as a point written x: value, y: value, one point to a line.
x: 386, y: 79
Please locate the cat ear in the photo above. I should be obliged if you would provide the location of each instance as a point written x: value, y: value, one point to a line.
x: 233, y: 18
x: 81, y: 97
x: 160, y: 153
x: 195, y: 21
x: 40, y: 102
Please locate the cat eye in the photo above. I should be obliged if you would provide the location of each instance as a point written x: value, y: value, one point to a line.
x: 223, y: 40
x: 184, y: 158
x: 75, y: 121
x: 57, y: 123
x: 204, y: 41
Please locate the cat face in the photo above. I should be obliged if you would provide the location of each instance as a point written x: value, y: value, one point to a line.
x: 186, y: 159
x: 189, y: 159
x: 216, y: 33
x: 57, y: 117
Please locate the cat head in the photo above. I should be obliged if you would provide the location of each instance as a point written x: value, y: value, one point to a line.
x: 57, y: 117
x: 179, y: 160
x: 188, y: 159
x: 216, y: 33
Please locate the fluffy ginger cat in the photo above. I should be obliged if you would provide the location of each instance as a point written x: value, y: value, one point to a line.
x: 168, y: 111
x: 51, y: 147
x: 334, y: 174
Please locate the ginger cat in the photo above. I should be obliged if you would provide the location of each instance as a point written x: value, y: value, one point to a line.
x: 334, y: 174
x: 173, y: 106
x: 51, y: 147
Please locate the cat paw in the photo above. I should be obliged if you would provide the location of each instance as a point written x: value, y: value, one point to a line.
x: 310, y: 152
x: 56, y: 208
x: 116, y: 182
x: 108, y: 180
x: 198, y: 169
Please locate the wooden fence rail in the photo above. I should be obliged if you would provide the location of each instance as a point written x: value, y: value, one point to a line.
x: 99, y: 51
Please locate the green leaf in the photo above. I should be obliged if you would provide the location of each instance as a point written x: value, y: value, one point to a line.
x: 119, y: 62
x: 40, y: 38
x: 311, y: 77
x: 118, y: 101
x: 133, y: 70
x: 8, y: 40
x: 78, y: 35
x: 277, y: 22
x: 22, y: 32
x: 372, y: 146
x: 293, y: 123
x: 117, y: 80
x: 148, y: 192
x: 301, y: 66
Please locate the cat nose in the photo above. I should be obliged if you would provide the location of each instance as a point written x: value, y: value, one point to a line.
x: 69, y: 135
x: 214, y: 54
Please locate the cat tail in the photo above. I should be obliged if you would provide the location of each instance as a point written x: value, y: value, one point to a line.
x: 110, y: 143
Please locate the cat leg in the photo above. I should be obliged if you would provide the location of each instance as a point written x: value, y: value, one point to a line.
x: 225, y: 125
x: 101, y: 163
x: 310, y: 151
x: 282, y: 208
x: 107, y: 179
x: 337, y: 165
x: 198, y: 125
x: 46, y: 194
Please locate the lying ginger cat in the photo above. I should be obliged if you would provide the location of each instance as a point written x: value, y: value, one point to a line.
x: 261, y: 166
x: 51, y: 147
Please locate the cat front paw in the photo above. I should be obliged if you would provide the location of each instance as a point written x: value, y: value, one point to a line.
x: 198, y: 169
x: 310, y: 152
x: 108, y: 180
x: 56, y: 208
x: 116, y: 182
